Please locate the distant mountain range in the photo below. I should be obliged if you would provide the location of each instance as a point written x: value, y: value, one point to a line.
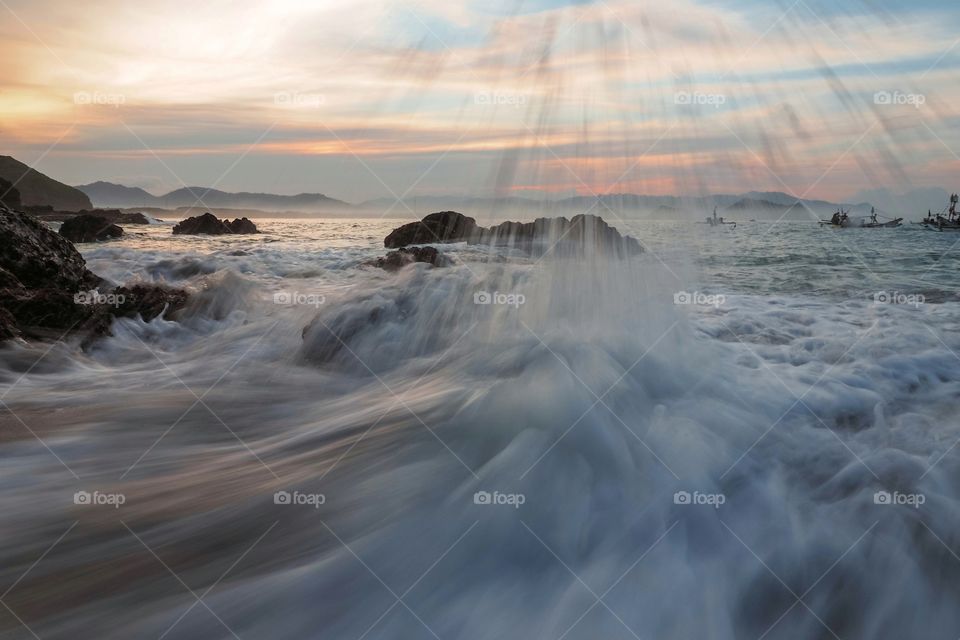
x: 754, y: 204
x: 910, y: 204
x: 37, y: 189
x: 107, y: 194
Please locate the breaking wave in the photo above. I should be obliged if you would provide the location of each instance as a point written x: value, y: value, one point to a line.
x: 504, y: 448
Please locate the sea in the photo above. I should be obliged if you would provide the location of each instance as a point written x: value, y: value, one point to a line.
x: 741, y: 433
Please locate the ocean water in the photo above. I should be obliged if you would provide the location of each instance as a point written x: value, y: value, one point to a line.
x: 745, y: 433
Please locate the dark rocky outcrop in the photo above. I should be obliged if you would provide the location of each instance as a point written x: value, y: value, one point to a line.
x: 400, y: 258
x: 37, y: 257
x: 115, y: 216
x: 242, y: 225
x: 211, y: 225
x: 89, y: 228
x: 46, y: 290
x: 446, y: 226
x: 206, y: 223
x: 583, y: 234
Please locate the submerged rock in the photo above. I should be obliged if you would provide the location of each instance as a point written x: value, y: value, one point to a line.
x: 580, y: 235
x: 144, y: 300
x: 402, y: 257
x: 211, y: 225
x: 89, y: 228
x: 47, y: 291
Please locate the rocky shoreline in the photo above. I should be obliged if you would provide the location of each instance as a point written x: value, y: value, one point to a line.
x: 46, y: 290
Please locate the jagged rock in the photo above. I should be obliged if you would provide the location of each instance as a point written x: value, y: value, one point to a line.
x: 206, y: 223
x: 579, y: 235
x: 402, y: 257
x: 211, y: 225
x: 89, y: 228
x: 446, y: 226
x: 582, y: 234
x: 37, y: 257
x: 47, y: 291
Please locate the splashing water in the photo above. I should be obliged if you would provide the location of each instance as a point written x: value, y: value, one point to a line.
x: 508, y: 447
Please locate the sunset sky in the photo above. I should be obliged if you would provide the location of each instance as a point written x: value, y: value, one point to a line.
x: 363, y: 99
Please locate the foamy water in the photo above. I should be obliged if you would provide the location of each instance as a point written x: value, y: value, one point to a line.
x: 654, y: 469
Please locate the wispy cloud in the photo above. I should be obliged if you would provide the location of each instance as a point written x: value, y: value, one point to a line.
x: 743, y: 95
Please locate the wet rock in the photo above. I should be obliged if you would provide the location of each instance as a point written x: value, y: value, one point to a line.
x: 443, y: 227
x: 118, y: 217
x: 400, y: 258
x: 37, y: 257
x: 211, y: 225
x: 582, y: 234
x: 89, y: 228
x: 206, y: 223
x: 46, y: 290
x: 242, y: 225
x: 148, y: 301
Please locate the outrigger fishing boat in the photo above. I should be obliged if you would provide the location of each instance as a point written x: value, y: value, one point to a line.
x: 841, y: 220
x: 718, y: 222
x: 940, y: 222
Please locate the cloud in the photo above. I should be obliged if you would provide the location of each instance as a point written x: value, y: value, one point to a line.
x: 774, y: 92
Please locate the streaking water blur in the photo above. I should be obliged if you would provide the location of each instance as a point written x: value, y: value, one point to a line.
x: 820, y: 371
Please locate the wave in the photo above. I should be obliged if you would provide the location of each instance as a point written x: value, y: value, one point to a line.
x: 504, y: 449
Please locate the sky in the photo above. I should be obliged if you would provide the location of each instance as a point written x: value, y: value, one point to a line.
x: 541, y: 98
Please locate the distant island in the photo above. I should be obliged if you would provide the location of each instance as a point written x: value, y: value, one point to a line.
x: 107, y: 194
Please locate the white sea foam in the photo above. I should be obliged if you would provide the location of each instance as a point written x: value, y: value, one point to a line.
x: 598, y: 400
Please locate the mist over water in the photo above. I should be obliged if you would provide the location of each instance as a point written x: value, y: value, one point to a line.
x: 654, y: 468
